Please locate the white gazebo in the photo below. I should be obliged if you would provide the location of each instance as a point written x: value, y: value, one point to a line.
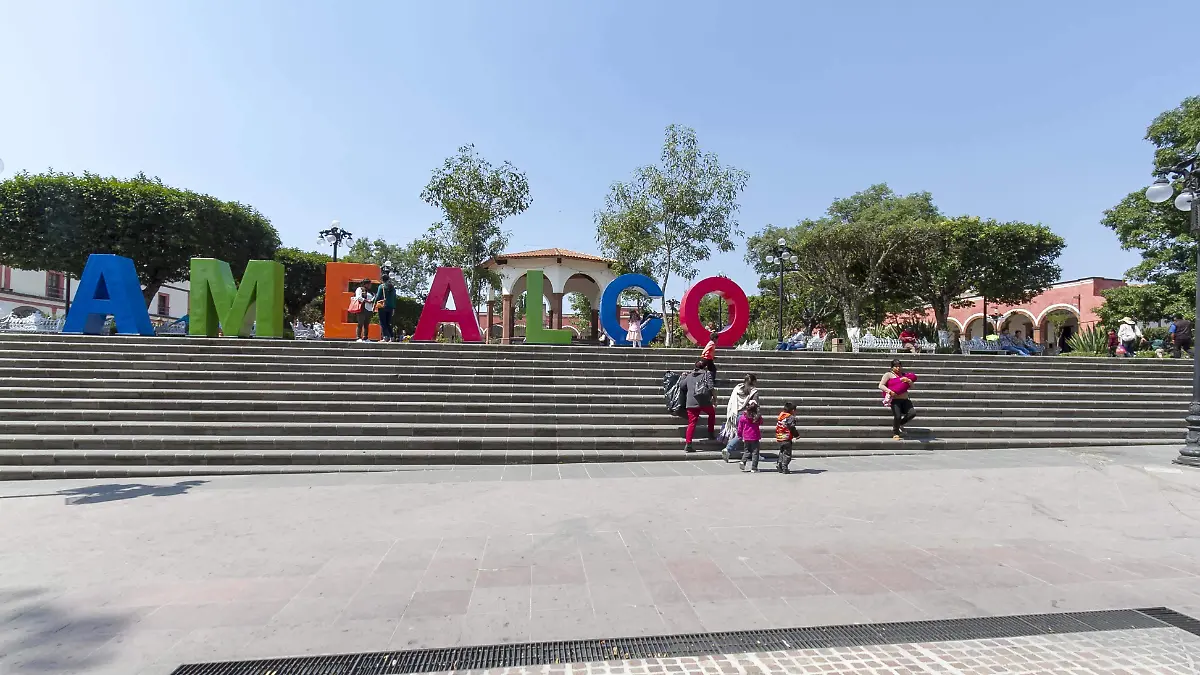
x: 565, y: 272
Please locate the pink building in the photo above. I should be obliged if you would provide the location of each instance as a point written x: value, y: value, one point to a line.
x: 1071, y: 304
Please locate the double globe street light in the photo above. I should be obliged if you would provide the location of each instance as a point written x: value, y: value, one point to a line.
x: 334, y: 236
x: 1187, y: 173
x: 783, y: 255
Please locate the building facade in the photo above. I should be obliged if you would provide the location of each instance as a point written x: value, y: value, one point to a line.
x: 1050, y: 317
x: 25, y: 292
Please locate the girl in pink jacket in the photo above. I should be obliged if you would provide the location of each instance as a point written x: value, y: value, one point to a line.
x: 749, y: 430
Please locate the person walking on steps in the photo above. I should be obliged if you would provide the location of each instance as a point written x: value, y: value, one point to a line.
x: 750, y: 431
x: 738, y: 399
x: 1129, y: 335
x: 785, y: 433
x: 895, y: 384
x: 709, y: 355
x: 634, y: 332
x: 697, y: 389
x: 362, y: 305
x: 385, y: 296
x: 1181, y: 337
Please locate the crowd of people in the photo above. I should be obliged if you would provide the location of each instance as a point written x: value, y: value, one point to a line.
x: 1127, y: 339
x: 366, y: 303
x: 742, y: 429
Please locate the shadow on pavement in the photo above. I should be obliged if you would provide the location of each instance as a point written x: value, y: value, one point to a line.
x: 95, y: 494
x: 42, y: 635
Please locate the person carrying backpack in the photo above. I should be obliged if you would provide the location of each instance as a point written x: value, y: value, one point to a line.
x: 698, y: 388
x: 1181, y: 337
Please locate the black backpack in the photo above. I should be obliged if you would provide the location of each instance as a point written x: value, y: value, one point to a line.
x: 672, y: 395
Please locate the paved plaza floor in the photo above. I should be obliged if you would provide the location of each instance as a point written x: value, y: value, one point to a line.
x: 131, y: 576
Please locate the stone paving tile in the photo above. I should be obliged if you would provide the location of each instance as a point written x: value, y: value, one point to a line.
x: 577, y: 557
x: 1155, y: 651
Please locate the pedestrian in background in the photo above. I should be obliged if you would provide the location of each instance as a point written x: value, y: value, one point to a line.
x: 386, y: 306
x: 362, y: 305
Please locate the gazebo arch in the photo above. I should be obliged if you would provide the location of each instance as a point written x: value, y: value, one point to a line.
x: 565, y: 272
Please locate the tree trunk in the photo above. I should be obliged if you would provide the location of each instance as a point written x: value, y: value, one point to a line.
x: 150, y: 292
x: 850, y: 313
x: 941, y: 313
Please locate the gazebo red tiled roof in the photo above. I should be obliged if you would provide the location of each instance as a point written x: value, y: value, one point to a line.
x: 555, y: 253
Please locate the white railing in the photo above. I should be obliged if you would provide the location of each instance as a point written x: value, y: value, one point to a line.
x: 34, y: 323
x: 870, y: 343
x: 980, y: 345
x: 306, y: 332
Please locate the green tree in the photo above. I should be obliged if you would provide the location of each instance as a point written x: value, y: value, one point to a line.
x: 1005, y: 262
x: 1147, y: 302
x: 304, y: 279
x: 860, y: 253
x: 804, y: 305
x: 475, y: 198
x: 412, y: 264
x: 53, y: 221
x: 1160, y: 232
x: 671, y: 216
x: 581, y: 307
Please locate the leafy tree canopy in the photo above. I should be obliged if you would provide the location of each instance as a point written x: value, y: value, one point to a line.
x: 475, y: 198
x: 53, y: 221
x: 1160, y: 231
x: 304, y: 279
x: 413, y: 264
x: 858, y: 253
x: 672, y: 215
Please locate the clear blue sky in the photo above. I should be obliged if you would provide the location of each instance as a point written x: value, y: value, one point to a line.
x: 312, y: 111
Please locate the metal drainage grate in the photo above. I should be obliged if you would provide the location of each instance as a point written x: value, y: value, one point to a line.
x: 662, y: 646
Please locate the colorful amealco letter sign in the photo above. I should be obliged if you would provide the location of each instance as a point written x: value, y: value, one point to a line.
x: 217, y: 303
x: 109, y: 286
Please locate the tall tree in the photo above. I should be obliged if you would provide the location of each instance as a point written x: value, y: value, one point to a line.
x: 412, y: 264
x: 475, y: 198
x: 673, y: 215
x: 805, y: 306
x: 861, y: 252
x: 1005, y: 262
x: 53, y: 221
x: 304, y: 279
x: 1160, y: 231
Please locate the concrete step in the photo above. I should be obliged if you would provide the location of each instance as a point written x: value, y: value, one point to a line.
x: 87, y: 471
x: 442, y: 362
x: 648, y: 400
x: 258, y: 372
x: 335, y: 456
x: 629, y: 388
x: 539, y: 415
x: 484, y: 354
x: 204, y: 408
x: 564, y: 439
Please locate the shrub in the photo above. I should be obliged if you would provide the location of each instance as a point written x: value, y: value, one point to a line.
x: 1153, y: 333
x: 1089, y: 340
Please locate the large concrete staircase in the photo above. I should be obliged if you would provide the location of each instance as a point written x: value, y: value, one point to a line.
x: 116, y: 406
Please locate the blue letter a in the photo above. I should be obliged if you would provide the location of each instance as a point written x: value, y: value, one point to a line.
x: 109, y: 287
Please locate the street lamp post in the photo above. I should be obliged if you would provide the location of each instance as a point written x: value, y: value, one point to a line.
x: 1187, y: 172
x: 335, y: 235
x: 783, y: 255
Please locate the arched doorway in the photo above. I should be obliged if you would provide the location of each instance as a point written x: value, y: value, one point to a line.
x: 1018, y: 321
x: 1057, y: 324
